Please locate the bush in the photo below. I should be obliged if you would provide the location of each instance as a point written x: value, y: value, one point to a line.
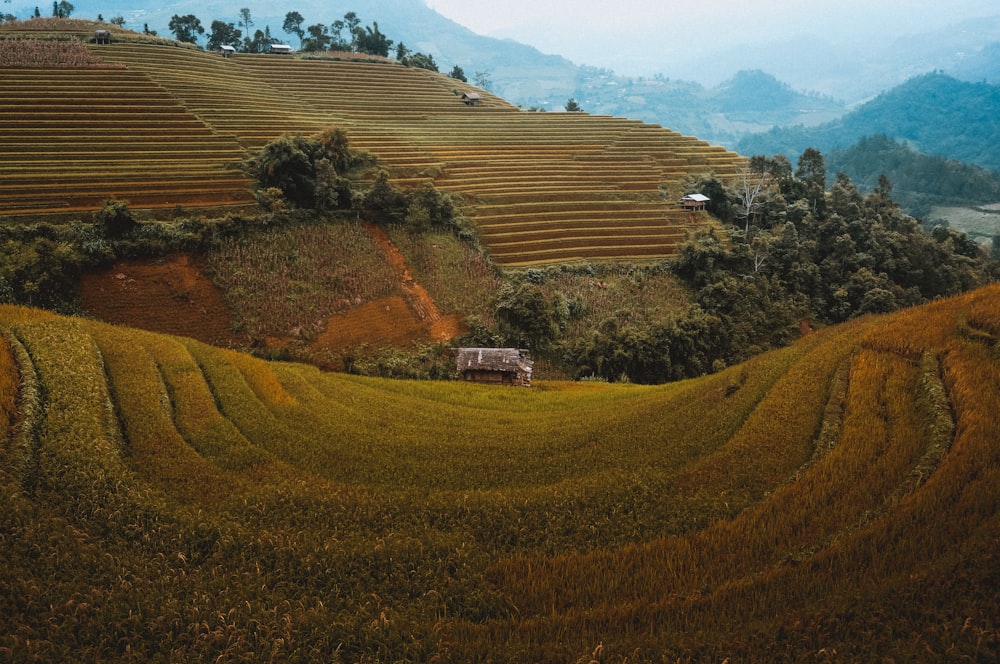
x: 309, y: 172
x: 116, y: 219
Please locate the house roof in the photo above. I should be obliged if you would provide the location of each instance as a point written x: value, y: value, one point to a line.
x: 471, y: 95
x: 226, y: 47
x: 493, y: 359
x: 697, y: 198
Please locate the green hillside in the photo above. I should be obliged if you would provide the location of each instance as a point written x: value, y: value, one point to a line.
x: 168, y: 128
x: 163, y: 500
x: 934, y: 113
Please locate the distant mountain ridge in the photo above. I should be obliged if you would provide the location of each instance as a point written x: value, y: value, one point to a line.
x: 934, y: 113
x: 718, y: 112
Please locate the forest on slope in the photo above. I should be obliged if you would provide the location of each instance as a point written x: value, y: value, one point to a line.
x: 934, y: 113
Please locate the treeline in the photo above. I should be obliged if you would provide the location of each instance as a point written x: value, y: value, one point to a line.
x: 919, y: 180
x: 347, y: 35
x: 795, y: 255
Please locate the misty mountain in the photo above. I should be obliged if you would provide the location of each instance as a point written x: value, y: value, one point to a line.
x: 858, y: 70
x: 733, y: 98
x: 750, y: 101
x: 933, y: 113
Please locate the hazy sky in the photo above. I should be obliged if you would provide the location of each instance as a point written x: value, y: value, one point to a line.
x: 630, y: 36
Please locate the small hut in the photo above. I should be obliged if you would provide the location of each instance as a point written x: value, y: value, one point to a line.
x: 472, y: 98
x: 102, y: 36
x: 283, y: 49
x: 226, y: 50
x: 694, y: 202
x: 496, y: 366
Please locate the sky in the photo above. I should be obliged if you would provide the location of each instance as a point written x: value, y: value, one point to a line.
x: 631, y: 36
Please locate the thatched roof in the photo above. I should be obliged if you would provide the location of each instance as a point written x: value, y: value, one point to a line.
x: 493, y: 359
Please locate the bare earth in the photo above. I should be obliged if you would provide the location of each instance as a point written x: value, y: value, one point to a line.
x: 173, y: 295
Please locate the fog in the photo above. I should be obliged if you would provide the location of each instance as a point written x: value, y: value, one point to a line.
x: 642, y: 37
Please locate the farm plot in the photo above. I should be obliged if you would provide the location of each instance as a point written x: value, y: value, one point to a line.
x: 72, y: 138
x: 836, y: 496
x: 195, y: 115
x: 500, y: 160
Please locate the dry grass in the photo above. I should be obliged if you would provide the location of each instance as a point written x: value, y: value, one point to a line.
x: 836, y: 495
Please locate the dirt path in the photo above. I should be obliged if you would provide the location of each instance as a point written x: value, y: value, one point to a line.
x: 416, y: 297
x: 442, y: 328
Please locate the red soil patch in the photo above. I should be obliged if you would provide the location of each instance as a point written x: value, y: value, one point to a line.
x: 391, y: 321
x: 170, y: 295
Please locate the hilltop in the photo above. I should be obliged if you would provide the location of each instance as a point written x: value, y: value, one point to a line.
x: 163, y: 499
x: 935, y: 113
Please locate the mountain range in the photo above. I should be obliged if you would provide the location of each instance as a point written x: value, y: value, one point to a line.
x: 934, y: 113
x: 712, y: 96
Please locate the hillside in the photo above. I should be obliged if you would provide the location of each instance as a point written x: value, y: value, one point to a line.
x: 541, y: 187
x: 162, y: 499
x: 748, y: 102
x: 919, y: 180
x: 934, y: 113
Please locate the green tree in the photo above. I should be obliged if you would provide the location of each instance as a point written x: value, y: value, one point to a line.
x: 62, y: 8
x: 186, y: 28
x: 371, y: 40
x: 811, y: 172
x: 351, y: 23
x: 318, y: 39
x: 261, y: 41
x: 115, y: 219
x: 572, y: 106
x: 529, y: 317
x: 118, y: 20
x: 246, y: 21
x: 421, y: 61
x: 383, y: 203
x: 293, y: 25
x: 309, y: 171
x: 458, y: 74
x: 224, y: 34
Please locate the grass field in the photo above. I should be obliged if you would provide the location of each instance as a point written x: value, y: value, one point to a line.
x: 164, y: 500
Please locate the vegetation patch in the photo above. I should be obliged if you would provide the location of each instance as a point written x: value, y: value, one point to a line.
x: 43, y: 53
x: 289, y: 281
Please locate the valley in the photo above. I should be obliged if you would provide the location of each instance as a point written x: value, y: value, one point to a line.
x: 761, y: 428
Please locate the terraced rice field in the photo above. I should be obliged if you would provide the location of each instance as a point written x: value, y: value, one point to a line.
x: 835, y: 500
x: 72, y: 138
x: 543, y: 187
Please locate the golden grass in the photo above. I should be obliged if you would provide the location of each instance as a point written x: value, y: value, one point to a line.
x: 836, y: 495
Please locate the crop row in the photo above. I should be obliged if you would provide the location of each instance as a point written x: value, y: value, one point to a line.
x: 817, y: 498
x: 137, y: 143
x: 414, y: 121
